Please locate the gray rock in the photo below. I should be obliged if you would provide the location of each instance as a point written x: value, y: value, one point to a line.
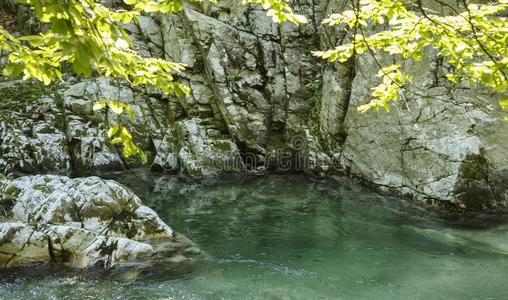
x: 32, y: 146
x: 203, y: 155
x: 79, y: 222
x: 150, y: 30
x: 439, y: 145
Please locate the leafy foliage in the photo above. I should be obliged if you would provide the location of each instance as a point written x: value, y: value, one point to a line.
x: 474, y: 41
x: 89, y: 37
x: 118, y: 133
x: 279, y: 10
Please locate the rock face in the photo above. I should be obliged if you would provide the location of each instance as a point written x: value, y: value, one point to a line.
x: 444, y: 144
x: 261, y: 101
x: 80, y: 222
x: 441, y: 144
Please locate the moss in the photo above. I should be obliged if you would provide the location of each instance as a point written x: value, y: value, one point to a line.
x: 313, y: 88
x: 122, y: 224
x: 107, y: 249
x: 474, y: 167
x: 129, y: 224
x: 473, y: 190
x: 22, y: 91
x: 152, y: 229
x: 39, y: 187
x: 8, y: 196
x: 222, y: 146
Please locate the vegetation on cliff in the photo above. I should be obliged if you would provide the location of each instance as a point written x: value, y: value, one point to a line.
x: 89, y: 37
x: 471, y: 38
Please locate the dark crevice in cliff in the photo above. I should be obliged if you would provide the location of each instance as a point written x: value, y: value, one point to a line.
x: 350, y: 76
x: 285, y: 105
x: 161, y: 47
x: 161, y: 126
x: 315, y: 22
x: 330, y: 37
x: 436, y: 71
x: 473, y: 187
x: 51, y: 250
x: 69, y: 140
x: 405, y: 146
x: 495, y: 197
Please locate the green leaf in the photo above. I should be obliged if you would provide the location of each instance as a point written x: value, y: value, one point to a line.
x: 143, y: 157
x: 503, y: 102
x: 130, y: 111
x: 113, y: 130
x: 99, y: 105
x: 116, y: 106
x: 118, y: 140
x: 125, y: 133
x: 13, y: 70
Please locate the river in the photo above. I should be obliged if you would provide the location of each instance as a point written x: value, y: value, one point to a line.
x: 295, y: 237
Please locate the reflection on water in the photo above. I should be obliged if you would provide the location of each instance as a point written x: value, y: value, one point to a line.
x: 291, y: 237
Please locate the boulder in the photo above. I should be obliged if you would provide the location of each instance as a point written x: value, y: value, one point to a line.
x: 80, y: 222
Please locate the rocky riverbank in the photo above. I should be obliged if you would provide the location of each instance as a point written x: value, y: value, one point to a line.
x: 260, y: 101
x: 82, y: 223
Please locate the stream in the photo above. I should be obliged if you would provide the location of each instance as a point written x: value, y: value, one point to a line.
x: 294, y: 237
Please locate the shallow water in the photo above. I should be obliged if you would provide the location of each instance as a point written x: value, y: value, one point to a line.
x: 292, y: 237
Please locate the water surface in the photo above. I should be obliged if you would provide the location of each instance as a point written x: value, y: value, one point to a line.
x: 292, y: 237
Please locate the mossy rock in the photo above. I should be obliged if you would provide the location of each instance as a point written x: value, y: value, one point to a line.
x: 473, y: 190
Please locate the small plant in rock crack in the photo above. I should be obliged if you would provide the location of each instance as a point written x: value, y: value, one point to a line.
x: 313, y: 87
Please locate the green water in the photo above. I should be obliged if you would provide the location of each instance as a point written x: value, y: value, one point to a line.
x: 291, y: 237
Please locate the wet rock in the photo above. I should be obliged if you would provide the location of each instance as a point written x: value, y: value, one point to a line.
x: 40, y: 145
x: 166, y: 159
x: 81, y: 222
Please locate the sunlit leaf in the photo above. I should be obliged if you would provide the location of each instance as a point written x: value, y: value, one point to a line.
x: 99, y: 104
x: 116, y: 106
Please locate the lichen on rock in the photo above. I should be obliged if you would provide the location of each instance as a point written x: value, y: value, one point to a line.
x: 78, y: 222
